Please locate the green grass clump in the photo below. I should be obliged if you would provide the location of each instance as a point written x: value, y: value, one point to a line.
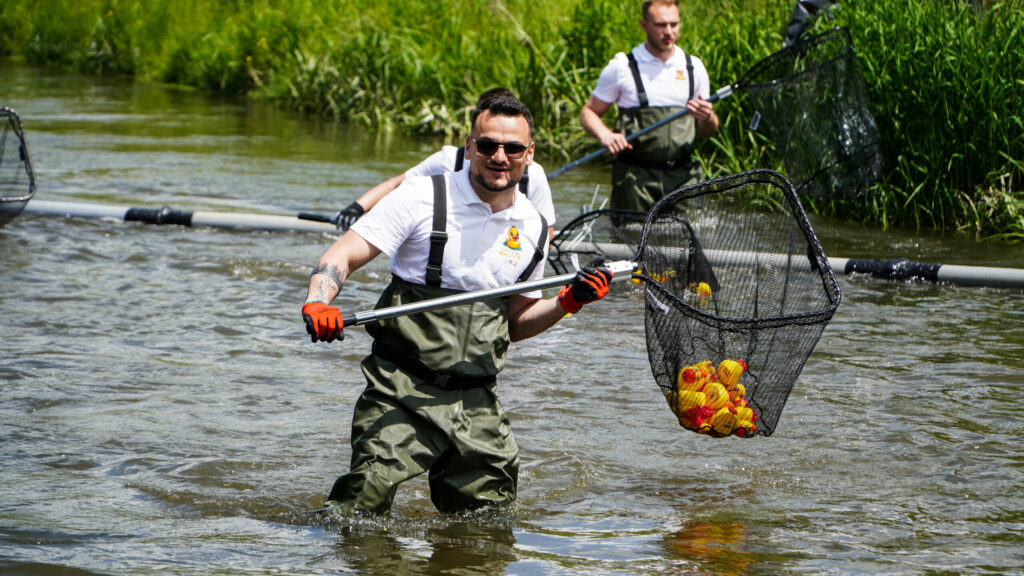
x: 945, y: 78
x: 948, y: 88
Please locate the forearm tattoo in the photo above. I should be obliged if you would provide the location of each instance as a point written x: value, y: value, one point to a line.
x: 326, y: 281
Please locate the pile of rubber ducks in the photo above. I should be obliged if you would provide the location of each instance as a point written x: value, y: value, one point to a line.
x: 713, y: 401
x: 663, y: 277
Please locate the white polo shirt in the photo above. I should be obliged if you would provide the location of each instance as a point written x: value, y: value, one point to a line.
x: 538, y: 192
x: 484, y: 250
x: 666, y: 83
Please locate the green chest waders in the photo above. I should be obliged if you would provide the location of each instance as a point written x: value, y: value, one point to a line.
x: 659, y: 161
x: 430, y: 403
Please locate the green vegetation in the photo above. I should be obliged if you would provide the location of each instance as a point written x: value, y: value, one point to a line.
x: 946, y: 81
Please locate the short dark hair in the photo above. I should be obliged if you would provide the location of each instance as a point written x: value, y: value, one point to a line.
x: 646, y: 6
x: 494, y: 93
x: 503, y: 106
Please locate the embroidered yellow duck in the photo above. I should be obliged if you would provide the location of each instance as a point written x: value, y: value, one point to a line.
x: 512, y: 241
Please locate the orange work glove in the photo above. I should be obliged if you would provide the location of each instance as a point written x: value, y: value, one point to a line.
x: 323, y: 322
x: 590, y: 283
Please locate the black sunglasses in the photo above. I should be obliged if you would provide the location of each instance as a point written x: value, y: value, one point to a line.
x: 488, y: 147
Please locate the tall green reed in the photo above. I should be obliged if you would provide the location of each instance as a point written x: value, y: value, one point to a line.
x: 944, y: 80
x: 950, y: 101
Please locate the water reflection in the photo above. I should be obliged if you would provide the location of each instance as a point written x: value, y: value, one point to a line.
x: 716, y: 546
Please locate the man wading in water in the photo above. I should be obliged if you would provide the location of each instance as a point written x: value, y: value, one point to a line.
x: 655, y: 80
x: 431, y: 404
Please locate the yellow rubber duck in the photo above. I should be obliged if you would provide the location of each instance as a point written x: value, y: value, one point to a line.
x: 738, y: 393
x: 729, y: 372
x: 706, y: 367
x: 743, y: 413
x: 689, y: 399
x: 691, y: 378
x: 724, y: 421
x: 717, y: 395
x: 697, y: 419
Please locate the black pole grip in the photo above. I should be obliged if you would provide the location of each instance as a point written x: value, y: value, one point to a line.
x: 164, y: 215
x: 316, y: 217
x: 898, y: 269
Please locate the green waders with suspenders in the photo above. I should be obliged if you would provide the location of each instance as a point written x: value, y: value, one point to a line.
x: 430, y: 404
x: 660, y: 161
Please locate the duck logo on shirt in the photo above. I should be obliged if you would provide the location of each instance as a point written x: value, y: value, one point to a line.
x: 512, y: 238
x: 511, y: 250
x: 680, y: 75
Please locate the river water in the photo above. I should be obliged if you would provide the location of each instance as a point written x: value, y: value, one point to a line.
x: 163, y: 411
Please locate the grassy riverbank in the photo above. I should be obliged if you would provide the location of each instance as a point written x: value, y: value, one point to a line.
x: 945, y: 81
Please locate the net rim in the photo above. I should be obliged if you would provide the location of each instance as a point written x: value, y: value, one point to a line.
x: 731, y: 182
x: 745, y: 81
x: 11, y: 117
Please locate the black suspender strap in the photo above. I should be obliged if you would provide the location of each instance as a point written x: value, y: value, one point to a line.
x: 689, y: 74
x: 524, y: 182
x: 641, y: 94
x: 438, y: 236
x: 538, y: 254
x: 460, y: 154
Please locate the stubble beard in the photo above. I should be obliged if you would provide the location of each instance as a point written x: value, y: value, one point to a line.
x: 479, y: 177
x: 662, y: 46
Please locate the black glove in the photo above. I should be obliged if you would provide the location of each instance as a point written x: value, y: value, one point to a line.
x: 590, y: 283
x: 348, y: 216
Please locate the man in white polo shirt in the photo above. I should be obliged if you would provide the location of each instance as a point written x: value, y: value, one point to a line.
x: 430, y: 403
x: 534, y: 183
x: 655, y: 80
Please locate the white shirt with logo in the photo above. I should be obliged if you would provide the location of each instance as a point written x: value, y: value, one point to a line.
x: 666, y: 83
x: 484, y: 250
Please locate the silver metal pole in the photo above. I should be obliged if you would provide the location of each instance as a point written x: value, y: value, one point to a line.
x: 228, y: 220
x: 621, y: 270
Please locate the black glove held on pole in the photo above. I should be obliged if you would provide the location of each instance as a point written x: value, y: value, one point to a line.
x: 348, y: 216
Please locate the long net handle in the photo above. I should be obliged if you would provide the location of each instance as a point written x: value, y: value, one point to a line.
x: 621, y: 270
x: 720, y: 94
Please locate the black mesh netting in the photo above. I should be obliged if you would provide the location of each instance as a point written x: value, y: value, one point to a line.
x: 811, y: 100
x: 738, y: 293
x: 612, y: 234
x: 17, y: 182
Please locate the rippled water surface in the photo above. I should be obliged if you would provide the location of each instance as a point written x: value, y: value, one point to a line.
x: 163, y: 411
